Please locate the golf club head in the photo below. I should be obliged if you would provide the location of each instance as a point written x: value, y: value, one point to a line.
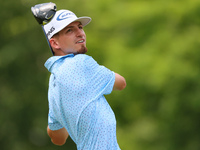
x: 44, y: 12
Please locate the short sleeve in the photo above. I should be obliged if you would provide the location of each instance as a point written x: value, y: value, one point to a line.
x: 102, y: 79
x: 53, y: 123
x: 106, y: 80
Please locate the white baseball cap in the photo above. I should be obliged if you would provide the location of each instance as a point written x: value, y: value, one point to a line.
x: 61, y: 19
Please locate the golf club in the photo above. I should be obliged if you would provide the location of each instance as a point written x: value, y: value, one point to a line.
x: 43, y: 13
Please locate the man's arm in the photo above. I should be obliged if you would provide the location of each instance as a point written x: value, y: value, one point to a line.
x: 58, y: 137
x: 120, y: 82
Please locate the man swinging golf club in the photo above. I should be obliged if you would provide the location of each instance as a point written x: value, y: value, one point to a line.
x: 77, y: 85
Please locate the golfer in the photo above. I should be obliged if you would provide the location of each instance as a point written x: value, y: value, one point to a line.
x: 77, y: 85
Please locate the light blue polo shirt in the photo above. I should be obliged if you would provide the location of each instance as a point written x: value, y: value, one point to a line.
x: 77, y: 87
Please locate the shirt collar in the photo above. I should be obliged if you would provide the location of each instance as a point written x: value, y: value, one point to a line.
x: 49, y: 63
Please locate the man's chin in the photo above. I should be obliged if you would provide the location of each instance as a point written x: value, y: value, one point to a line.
x: 83, y: 50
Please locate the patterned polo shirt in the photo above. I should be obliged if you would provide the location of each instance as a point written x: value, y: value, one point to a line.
x: 77, y: 86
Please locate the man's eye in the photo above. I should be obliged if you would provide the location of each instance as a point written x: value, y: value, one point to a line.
x: 69, y: 30
x: 80, y: 27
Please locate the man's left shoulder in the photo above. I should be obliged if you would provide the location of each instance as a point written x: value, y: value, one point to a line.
x: 84, y: 58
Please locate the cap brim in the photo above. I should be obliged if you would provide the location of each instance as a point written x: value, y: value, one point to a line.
x: 84, y: 20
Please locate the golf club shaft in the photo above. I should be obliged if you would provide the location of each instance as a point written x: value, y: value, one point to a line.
x: 47, y: 40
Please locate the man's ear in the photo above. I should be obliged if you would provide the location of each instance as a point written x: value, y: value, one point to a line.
x: 54, y: 43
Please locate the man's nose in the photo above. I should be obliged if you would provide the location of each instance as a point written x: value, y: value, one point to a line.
x: 80, y: 32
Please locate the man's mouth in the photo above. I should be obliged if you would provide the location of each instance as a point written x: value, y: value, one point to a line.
x: 81, y: 41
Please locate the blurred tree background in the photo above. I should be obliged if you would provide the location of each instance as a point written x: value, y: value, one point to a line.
x: 154, y: 44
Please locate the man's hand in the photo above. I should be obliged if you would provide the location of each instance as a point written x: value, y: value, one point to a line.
x: 58, y: 137
x: 120, y: 82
